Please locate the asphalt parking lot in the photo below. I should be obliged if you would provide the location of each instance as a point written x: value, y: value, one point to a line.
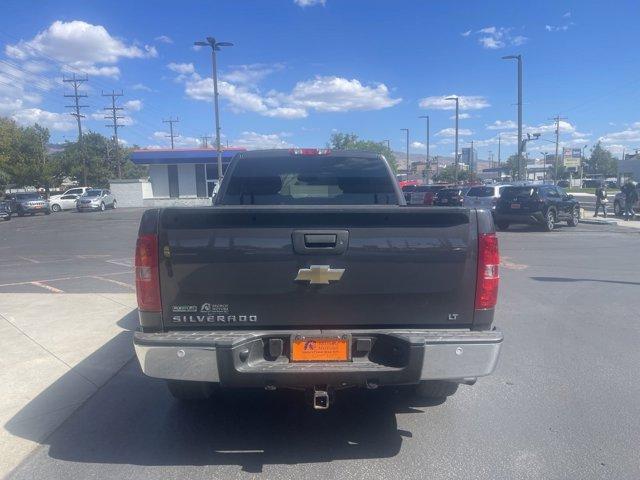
x: 563, y: 402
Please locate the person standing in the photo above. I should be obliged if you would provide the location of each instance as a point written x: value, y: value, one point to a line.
x: 601, y: 200
x: 630, y: 199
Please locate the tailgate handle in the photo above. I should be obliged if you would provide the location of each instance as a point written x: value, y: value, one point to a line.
x: 320, y: 240
x: 307, y: 242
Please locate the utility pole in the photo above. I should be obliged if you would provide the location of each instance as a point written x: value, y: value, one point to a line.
x: 428, y: 158
x: 114, y: 117
x: 455, y: 171
x: 471, y: 162
x: 557, y: 119
x: 171, y: 121
x: 215, y: 47
x: 499, y: 141
x: 76, y: 82
x: 407, y: 131
x: 519, y: 59
x: 204, y: 139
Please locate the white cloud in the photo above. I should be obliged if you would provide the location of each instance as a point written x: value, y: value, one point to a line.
x: 472, y: 102
x: 629, y: 134
x: 451, y: 132
x: 257, y: 141
x: 566, y: 15
x: 78, y: 44
x: 164, y: 39
x: 494, y: 38
x: 418, y: 146
x: 321, y: 94
x: 181, y: 68
x: 466, y: 34
x: 133, y: 105
x: 309, y: 3
x: 250, y: 74
x: 178, y: 140
x: 461, y: 116
x: 559, y: 28
x: 141, y: 86
x: 54, y: 121
x: 336, y: 94
x: 110, y: 71
x: 502, y: 125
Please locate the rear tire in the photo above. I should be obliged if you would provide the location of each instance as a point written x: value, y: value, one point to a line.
x: 575, y: 218
x: 115, y: 205
x: 6, y: 219
x: 502, y: 225
x: 549, y: 221
x: 436, y: 389
x: 55, y: 207
x: 187, y: 391
x: 102, y: 207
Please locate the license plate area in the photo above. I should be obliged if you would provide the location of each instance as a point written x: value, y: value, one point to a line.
x: 321, y: 349
x: 515, y: 206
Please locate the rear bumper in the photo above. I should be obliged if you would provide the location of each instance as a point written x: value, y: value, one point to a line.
x: 380, y: 357
x: 528, y: 218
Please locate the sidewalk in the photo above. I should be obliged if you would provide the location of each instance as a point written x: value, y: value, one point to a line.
x: 56, y: 350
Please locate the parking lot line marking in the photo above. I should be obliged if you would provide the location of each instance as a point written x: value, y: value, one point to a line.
x: 47, y: 287
x: 117, y: 282
x: 28, y: 259
x: 59, y: 279
x: 122, y: 264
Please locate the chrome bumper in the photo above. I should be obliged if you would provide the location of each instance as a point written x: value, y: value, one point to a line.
x: 214, y: 356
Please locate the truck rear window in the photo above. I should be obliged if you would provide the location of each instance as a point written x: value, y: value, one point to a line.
x: 309, y: 180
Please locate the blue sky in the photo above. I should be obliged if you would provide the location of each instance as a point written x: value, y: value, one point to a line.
x: 302, y: 69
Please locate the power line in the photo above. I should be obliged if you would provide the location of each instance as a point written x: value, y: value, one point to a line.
x: 204, y: 139
x: 114, y: 117
x: 171, y: 135
x: 76, y: 82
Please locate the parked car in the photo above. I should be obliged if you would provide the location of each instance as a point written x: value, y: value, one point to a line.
x: 96, y: 199
x: 65, y: 201
x: 362, y: 294
x: 619, y: 201
x: 5, y: 211
x: 421, y: 194
x: 484, y: 196
x: 563, y: 183
x: 450, y: 197
x: 27, y: 203
x: 543, y: 205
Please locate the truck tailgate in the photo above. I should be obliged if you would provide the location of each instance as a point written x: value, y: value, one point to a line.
x: 236, y: 267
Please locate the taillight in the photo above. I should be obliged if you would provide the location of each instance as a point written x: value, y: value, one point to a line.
x: 309, y: 151
x: 488, y: 277
x: 147, y: 275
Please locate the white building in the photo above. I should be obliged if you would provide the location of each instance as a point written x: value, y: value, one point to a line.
x: 184, y: 177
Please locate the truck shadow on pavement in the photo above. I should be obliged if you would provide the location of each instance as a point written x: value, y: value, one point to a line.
x: 132, y: 419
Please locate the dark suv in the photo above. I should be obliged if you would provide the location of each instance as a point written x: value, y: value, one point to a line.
x: 28, y: 203
x: 450, y: 197
x: 543, y: 205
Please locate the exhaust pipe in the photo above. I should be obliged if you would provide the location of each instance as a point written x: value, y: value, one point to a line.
x: 320, y: 399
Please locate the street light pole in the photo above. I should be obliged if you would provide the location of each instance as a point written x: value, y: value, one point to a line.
x: 407, y: 131
x: 215, y: 46
x: 519, y: 162
x: 455, y: 170
x: 428, y: 160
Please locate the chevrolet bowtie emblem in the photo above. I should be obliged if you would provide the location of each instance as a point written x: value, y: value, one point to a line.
x: 320, y: 274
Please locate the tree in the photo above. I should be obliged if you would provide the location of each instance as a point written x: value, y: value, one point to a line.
x: 601, y: 162
x: 448, y: 174
x: 99, y: 154
x: 350, y: 141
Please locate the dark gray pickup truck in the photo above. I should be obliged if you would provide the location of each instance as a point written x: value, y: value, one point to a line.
x: 310, y: 272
